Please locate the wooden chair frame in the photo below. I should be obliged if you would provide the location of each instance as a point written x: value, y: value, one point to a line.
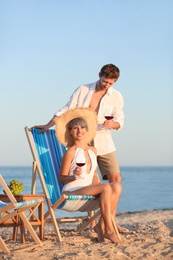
x: 16, y: 210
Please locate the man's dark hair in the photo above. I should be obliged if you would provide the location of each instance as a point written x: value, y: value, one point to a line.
x: 109, y: 71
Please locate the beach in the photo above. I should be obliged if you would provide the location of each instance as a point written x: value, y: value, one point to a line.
x: 148, y: 235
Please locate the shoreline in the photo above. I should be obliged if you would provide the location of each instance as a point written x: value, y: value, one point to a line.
x: 149, y: 236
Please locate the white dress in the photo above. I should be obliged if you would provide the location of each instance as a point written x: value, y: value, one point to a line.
x: 86, y: 178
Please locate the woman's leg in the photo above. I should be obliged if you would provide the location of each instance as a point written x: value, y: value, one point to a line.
x: 105, y: 192
x: 116, y: 192
x: 99, y: 229
x: 106, y: 208
x: 88, y: 190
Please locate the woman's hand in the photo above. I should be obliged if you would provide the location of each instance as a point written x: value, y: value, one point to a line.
x: 77, y: 172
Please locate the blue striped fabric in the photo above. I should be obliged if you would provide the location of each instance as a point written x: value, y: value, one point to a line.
x: 26, y: 203
x: 80, y: 203
x: 81, y: 197
x: 20, y: 204
x: 50, y: 153
x: 2, y: 204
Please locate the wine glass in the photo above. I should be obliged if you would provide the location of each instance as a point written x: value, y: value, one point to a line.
x: 109, y: 117
x: 108, y: 114
x: 80, y: 162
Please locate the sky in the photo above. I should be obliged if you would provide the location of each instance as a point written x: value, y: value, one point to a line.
x: 50, y: 47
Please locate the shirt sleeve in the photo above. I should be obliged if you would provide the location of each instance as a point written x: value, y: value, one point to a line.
x: 72, y: 103
x: 118, y: 112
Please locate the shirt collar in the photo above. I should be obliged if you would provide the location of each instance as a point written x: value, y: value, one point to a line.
x: 93, y: 87
x: 109, y: 92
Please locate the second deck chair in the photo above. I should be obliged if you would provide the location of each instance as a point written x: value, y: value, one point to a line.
x: 15, y: 209
x: 47, y: 154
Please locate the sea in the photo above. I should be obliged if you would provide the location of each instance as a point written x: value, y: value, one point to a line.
x: 144, y: 188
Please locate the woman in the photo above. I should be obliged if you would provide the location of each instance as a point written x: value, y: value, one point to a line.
x: 76, y: 129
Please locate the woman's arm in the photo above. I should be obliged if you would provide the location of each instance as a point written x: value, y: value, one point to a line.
x: 65, y: 167
x: 67, y: 179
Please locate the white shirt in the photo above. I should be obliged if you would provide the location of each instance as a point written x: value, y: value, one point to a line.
x: 112, y: 100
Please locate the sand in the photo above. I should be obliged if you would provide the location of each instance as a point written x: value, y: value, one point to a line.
x: 149, y: 236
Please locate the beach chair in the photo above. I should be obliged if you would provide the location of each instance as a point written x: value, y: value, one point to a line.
x: 14, y: 211
x: 47, y: 154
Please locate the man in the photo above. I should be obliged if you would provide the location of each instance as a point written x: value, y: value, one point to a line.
x: 106, y: 101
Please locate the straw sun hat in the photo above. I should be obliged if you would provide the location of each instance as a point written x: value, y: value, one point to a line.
x: 62, y: 131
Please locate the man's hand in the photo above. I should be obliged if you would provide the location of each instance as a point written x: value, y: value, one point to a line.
x: 43, y: 128
x: 109, y: 124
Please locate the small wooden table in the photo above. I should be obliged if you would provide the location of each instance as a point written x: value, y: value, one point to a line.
x: 35, y: 216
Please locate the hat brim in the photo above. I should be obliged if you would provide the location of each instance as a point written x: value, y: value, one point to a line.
x: 62, y: 131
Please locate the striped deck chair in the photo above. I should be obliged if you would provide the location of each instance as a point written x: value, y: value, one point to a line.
x: 47, y: 154
x: 13, y: 210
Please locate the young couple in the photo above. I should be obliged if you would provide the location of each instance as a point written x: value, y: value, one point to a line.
x: 101, y: 97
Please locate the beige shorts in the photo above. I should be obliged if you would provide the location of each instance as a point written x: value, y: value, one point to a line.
x: 108, y: 164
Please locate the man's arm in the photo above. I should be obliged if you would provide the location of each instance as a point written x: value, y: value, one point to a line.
x: 72, y: 103
x: 44, y: 128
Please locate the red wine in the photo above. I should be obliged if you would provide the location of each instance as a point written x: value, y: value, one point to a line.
x: 80, y: 164
x: 109, y: 117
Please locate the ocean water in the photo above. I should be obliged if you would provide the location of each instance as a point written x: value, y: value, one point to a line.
x: 144, y: 188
